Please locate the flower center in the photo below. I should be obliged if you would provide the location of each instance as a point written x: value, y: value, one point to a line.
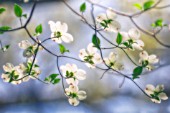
x: 57, y: 34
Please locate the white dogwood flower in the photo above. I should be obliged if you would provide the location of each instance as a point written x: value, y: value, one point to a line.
x: 157, y: 93
x: 59, y: 32
x: 147, y: 60
x: 132, y: 38
x: 72, y: 73
x: 11, y: 74
x: 29, y: 48
x: 108, y: 21
x: 74, y: 95
x: 90, y: 56
x: 112, y: 62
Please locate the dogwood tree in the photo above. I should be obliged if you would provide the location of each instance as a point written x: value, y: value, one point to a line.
x: 92, y: 55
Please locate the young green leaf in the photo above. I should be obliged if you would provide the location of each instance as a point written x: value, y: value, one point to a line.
x: 83, y: 7
x: 158, y: 23
x: 148, y: 4
x: 18, y: 10
x: 138, y: 6
x: 4, y: 28
x: 39, y: 29
x: 63, y: 49
x: 2, y: 10
x: 5, y: 48
x: 137, y: 71
x: 25, y: 16
x: 119, y: 38
x: 96, y: 41
x: 52, y: 79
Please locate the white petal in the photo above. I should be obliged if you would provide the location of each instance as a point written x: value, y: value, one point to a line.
x: 5, y: 77
x: 153, y: 59
x: 52, y: 26
x: 138, y: 44
x: 159, y: 88
x: 8, y: 67
x: 149, y: 89
x: 67, y: 38
x: 91, y: 49
x: 73, y: 101
x: 90, y: 65
x: 72, y: 81
x: 73, y: 88
x: 107, y: 61
x: 112, y: 57
x: 111, y: 14
x: 144, y: 55
x: 125, y: 36
x: 81, y: 74
x: 82, y: 54
x: 163, y: 96
x: 114, y: 26
x: 156, y: 101
x: 118, y: 66
x: 101, y: 17
x: 63, y: 27
x: 134, y: 34
x: 97, y: 59
x: 24, y: 44
x: 82, y: 95
x: 74, y: 67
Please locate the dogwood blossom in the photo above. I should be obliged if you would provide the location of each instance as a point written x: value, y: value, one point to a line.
x: 59, y: 32
x: 26, y: 67
x: 72, y: 73
x: 90, y: 56
x: 108, y: 21
x: 132, y: 39
x: 74, y: 95
x: 11, y: 73
x: 147, y: 60
x: 157, y: 93
x: 111, y: 61
x: 29, y: 48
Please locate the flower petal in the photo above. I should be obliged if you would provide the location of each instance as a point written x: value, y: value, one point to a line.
x: 67, y: 38
x: 153, y: 59
x: 24, y: 44
x: 81, y: 74
x: 8, y: 67
x: 163, y: 96
x: 149, y: 89
x: 134, y: 34
x: 91, y: 49
x: 110, y: 14
x: 73, y: 101
x: 52, y: 26
x: 82, y: 95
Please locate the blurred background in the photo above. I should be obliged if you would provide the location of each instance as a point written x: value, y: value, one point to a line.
x: 104, y: 96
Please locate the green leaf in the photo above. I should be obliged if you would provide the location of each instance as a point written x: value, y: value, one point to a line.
x: 158, y: 23
x: 119, y: 38
x: 96, y: 41
x: 55, y: 81
x: 2, y: 10
x: 63, y: 49
x: 137, y: 71
x: 148, y: 4
x: 18, y: 10
x: 138, y: 6
x: 4, y: 28
x: 52, y: 79
x: 25, y: 16
x: 83, y: 7
x: 5, y: 48
x: 39, y: 29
